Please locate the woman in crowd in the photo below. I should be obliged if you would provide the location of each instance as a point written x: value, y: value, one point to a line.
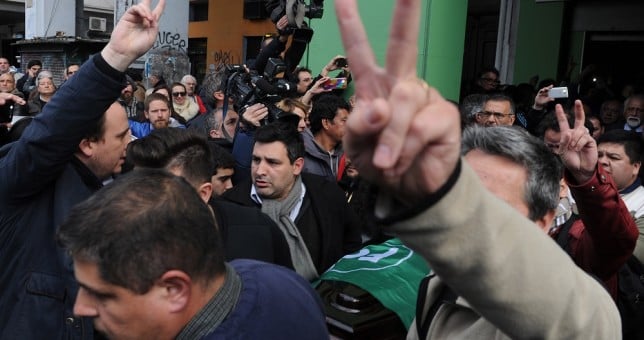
x: 183, y: 106
x: 45, y: 89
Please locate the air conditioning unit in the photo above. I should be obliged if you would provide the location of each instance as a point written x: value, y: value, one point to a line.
x: 97, y: 24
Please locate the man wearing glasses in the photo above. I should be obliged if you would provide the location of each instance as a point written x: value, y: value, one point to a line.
x: 497, y: 110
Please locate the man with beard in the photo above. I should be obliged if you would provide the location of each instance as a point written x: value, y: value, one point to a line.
x: 157, y: 112
x: 132, y: 106
x: 633, y: 112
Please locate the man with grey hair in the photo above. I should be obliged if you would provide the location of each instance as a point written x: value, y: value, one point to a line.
x: 404, y: 136
x: 212, y: 88
x: 219, y: 130
x: 634, y: 113
x: 212, y: 95
x: 469, y: 107
x: 521, y: 170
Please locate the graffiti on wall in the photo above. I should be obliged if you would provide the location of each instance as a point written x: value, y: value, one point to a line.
x: 171, y: 41
x: 225, y: 58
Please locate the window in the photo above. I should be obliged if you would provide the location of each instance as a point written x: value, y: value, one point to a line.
x: 198, y: 10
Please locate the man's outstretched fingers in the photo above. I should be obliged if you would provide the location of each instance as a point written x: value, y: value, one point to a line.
x: 402, y: 52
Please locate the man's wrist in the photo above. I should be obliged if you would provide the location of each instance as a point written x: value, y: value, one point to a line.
x: 116, y: 60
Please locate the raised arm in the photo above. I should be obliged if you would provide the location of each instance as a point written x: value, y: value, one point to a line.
x: 500, y: 262
x: 51, y: 140
x: 610, y: 230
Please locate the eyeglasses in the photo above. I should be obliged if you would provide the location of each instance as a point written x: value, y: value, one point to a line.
x: 70, y: 73
x: 634, y: 109
x: 497, y: 115
x: 491, y: 80
x: 178, y: 94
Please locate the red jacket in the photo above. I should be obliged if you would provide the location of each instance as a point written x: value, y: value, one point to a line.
x: 605, y: 236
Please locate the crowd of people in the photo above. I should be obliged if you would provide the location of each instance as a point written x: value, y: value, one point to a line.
x: 180, y: 211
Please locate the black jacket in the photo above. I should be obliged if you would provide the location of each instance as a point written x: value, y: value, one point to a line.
x: 247, y: 233
x: 338, y: 224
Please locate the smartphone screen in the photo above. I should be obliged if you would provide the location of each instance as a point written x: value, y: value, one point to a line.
x: 558, y: 92
x: 335, y: 83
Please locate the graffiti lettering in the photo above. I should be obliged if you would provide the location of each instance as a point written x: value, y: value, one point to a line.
x: 225, y: 58
x: 171, y: 41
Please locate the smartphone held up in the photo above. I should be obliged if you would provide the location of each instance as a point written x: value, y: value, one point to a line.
x: 558, y: 92
x: 335, y: 83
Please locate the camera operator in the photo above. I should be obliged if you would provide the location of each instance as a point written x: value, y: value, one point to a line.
x: 274, y: 46
x: 288, y: 16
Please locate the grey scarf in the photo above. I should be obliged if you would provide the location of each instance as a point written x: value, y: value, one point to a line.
x: 279, y: 212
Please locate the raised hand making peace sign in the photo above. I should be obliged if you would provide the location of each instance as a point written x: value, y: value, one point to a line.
x: 577, y: 148
x: 402, y: 133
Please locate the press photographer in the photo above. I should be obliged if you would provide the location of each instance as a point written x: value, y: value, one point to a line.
x: 247, y: 88
x: 288, y: 16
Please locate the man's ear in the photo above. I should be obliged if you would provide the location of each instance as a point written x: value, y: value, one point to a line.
x: 219, y: 95
x: 176, y: 290
x: 86, y: 147
x: 636, y: 168
x: 298, y: 165
x: 205, y: 191
x: 545, y: 222
x: 325, y: 123
x: 215, y: 133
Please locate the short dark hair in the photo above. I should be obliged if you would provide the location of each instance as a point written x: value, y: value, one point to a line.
x: 97, y: 131
x: 34, y: 62
x: 222, y: 158
x: 70, y: 65
x: 500, y: 97
x: 298, y: 70
x: 326, y: 107
x: 156, y: 96
x: 283, y: 132
x: 488, y: 69
x: 184, y: 149
x: 629, y: 139
x: 550, y: 122
x: 140, y: 226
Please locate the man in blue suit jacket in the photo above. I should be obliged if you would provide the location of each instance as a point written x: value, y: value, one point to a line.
x: 78, y: 141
